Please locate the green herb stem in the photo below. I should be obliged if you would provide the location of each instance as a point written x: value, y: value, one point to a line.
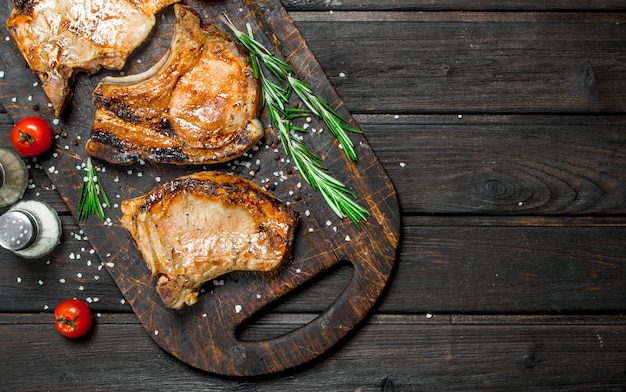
x: 92, y: 195
x: 285, y: 73
x: 276, y: 99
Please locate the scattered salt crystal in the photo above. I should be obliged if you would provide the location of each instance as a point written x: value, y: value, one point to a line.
x: 298, y: 270
x: 96, y: 277
x: 520, y: 203
x: 396, y: 117
x: 238, y: 308
x: 310, y: 229
x: 79, y: 275
x: 40, y: 282
x: 258, y: 295
x: 429, y: 316
x: 204, y: 315
x: 460, y: 116
x: 402, y: 164
x: 342, y: 74
x: 14, y: 99
x: 328, y: 223
x: 307, y: 213
x: 19, y: 280
x: 156, y: 332
x: 81, y: 288
x: 347, y: 238
x: 62, y: 280
x: 51, y: 169
x: 1, y: 74
x: 110, y: 265
x: 122, y: 301
x: 45, y: 307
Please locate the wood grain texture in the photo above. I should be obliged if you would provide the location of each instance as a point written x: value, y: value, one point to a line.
x: 447, y: 5
x: 471, y: 62
x: 427, y: 353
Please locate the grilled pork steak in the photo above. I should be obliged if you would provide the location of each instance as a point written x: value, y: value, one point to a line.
x: 195, y: 228
x: 61, y: 37
x: 197, y: 105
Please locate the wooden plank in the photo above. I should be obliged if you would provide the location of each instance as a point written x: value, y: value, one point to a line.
x: 454, y: 5
x: 529, y: 165
x: 486, y: 164
x: 465, y: 62
x: 445, y: 265
x: 424, y: 351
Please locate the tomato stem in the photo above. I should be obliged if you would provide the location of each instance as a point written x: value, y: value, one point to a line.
x: 25, y: 137
x: 64, y: 320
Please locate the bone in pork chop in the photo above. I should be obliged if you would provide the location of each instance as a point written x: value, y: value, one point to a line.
x: 195, y: 228
x: 197, y: 105
x: 61, y: 37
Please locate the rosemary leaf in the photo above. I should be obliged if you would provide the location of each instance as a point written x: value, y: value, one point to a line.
x: 276, y: 99
x: 92, y: 195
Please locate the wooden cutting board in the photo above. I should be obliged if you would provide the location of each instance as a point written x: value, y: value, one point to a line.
x: 206, y: 334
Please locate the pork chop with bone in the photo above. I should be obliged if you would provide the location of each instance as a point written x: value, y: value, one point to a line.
x: 59, y: 38
x: 195, y: 228
x: 199, y: 104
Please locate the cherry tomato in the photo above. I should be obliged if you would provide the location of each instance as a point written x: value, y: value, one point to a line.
x: 73, y: 318
x: 32, y: 136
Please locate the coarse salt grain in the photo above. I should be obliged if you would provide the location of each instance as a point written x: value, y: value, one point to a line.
x: 402, y: 164
x: 238, y: 308
x: 1, y: 74
x: 62, y: 280
x: 347, y: 238
x: 156, y: 332
x: 19, y: 280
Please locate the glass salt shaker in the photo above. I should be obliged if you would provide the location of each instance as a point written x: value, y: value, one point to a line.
x: 30, y: 229
x: 13, y: 177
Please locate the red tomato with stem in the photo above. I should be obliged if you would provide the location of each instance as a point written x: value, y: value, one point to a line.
x: 32, y: 136
x: 73, y: 318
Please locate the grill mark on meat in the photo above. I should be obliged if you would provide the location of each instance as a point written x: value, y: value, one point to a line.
x: 195, y: 228
x: 197, y: 105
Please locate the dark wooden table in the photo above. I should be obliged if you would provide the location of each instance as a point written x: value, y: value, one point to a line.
x: 503, y: 128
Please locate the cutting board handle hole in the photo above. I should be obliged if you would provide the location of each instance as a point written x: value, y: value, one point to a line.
x: 308, y: 301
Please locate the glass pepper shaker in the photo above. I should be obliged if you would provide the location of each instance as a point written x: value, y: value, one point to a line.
x: 30, y: 229
x: 13, y: 177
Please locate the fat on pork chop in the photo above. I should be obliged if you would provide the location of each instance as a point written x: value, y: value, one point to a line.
x: 195, y: 228
x: 197, y: 105
x: 59, y: 38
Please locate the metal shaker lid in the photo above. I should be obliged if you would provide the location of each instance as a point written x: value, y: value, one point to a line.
x: 18, y: 229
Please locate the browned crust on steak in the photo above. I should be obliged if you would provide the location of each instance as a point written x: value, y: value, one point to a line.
x: 195, y: 228
x: 199, y: 104
x: 59, y: 38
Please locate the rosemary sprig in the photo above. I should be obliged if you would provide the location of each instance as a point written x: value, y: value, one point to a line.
x: 92, y: 195
x: 285, y: 73
x: 276, y: 98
